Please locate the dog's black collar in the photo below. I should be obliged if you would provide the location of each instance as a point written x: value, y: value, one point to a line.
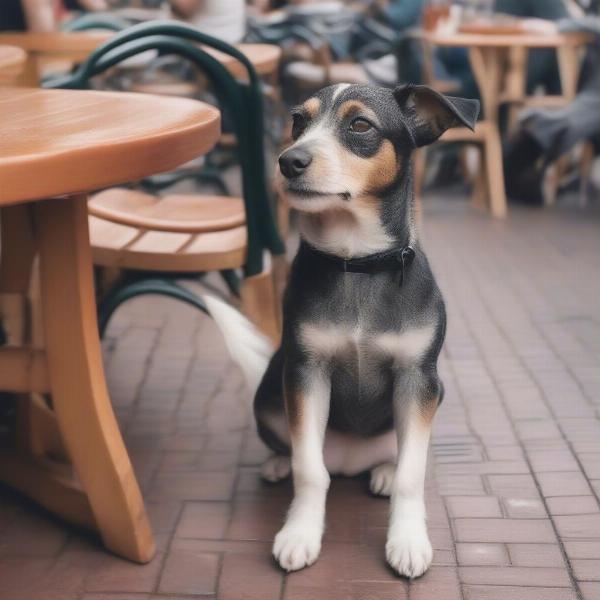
x: 396, y: 259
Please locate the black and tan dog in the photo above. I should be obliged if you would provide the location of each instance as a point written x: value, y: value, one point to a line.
x: 354, y: 384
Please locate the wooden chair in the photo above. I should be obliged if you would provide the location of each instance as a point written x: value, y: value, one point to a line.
x: 95, y: 22
x: 159, y: 240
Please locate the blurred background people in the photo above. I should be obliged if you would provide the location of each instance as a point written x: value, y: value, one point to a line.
x: 32, y: 15
x: 223, y: 19
x: 544, y: 135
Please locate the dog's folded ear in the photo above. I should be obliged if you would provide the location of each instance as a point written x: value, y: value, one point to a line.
x: 427, y: 113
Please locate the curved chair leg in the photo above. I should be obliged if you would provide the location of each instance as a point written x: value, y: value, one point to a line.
x: 163, y: 287
x: 260, y: 304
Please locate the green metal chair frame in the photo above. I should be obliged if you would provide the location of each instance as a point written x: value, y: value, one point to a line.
x: 88, y: 21
x: 244, y: 101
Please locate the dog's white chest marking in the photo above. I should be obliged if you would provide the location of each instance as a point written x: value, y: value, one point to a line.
x: 327, y: 341
x: 406, y: 346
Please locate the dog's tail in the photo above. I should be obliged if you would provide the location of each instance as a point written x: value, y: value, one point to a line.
x: 248, y: 347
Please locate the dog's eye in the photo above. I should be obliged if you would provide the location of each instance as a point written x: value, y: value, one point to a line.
x: 298, y: 125
x: 360, y: 125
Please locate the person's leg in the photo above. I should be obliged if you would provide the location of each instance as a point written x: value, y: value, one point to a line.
x: 557, y: 131
x: 544, y: 135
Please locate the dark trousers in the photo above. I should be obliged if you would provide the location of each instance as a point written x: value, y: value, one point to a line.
x: 557, y: 131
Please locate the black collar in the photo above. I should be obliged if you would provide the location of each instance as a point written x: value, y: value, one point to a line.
x: 396, y: 259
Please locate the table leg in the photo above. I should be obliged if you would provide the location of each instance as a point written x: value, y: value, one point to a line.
x: 516, y: 84
x: 18, y: 252
x: 494, y: 170
x: 568, y: 62
x: 33, y: 435
x: 80, y: 397
x: 485, y: 63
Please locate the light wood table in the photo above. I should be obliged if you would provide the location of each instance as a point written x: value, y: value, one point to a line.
x: 55, y: 146
x: 488, y: 55
x: 76, y: 47
x: 53, y: 51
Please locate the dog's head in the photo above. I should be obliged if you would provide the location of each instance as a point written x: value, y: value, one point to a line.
x: 354, y: 141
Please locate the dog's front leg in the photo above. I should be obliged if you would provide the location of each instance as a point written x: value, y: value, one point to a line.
x: 408, y: 548
x: 307, y: 389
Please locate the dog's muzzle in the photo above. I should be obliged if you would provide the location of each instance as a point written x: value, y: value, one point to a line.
x: 294, y: 162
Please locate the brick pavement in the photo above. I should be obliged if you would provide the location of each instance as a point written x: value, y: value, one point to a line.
x: 514, y: 475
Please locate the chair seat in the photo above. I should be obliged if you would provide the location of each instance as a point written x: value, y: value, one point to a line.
x: 133, y: 230
x: 166, y: 88
x: 182, y: 213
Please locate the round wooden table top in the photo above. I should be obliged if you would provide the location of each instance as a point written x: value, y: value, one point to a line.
x: 11, y: 58
x: 60, y: 142
x: 57, y: 42
x: 79, y: 44
x: 494, y: 40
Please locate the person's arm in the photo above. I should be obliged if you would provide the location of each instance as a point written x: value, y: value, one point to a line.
x: 186, y: 9
x: 39, y: 15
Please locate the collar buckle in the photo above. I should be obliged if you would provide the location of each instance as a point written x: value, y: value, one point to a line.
x: 404, y: 257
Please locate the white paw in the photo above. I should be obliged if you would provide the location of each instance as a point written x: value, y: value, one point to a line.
x: 296, y: 548
x: 276, y: 468
x: 382, y: 478
x: 408, y: 551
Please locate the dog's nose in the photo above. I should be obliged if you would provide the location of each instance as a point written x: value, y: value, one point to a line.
x: 294, y: 162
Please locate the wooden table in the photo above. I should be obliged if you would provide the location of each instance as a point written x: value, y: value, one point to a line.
x: 488, y: 51
x: 487, y: 54
x: 77, y: 46
x: 55, y: 146
x: 59, y: 49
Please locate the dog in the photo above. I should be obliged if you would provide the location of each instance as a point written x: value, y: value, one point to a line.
x: 354, y: 384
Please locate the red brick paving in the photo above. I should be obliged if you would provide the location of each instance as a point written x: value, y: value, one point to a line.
x: 514, y: 475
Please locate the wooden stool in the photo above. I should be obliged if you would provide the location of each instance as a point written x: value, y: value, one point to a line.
x: 68, y: 454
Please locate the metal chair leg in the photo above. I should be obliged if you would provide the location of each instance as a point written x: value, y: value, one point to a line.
x: 124, y: 292
x: 232, y: 280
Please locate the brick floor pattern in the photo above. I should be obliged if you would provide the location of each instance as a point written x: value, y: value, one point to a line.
x: 514, y: 475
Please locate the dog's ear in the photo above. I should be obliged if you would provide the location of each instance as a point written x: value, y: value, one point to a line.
x: 427, y: 113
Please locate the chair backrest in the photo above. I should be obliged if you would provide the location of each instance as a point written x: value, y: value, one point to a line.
x: 92, y: 21
x: 242, y: 100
